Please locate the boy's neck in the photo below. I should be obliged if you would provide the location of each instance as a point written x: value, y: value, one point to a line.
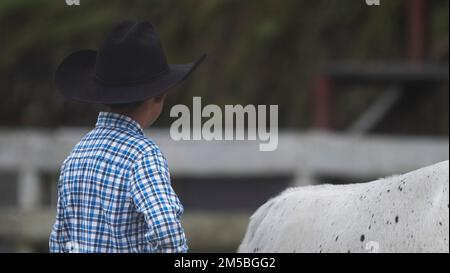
x: 139, y: 118
x: 144, y: 113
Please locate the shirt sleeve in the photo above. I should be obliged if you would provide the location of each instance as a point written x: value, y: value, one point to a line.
x: 155, y: 198
x: 59, y: 235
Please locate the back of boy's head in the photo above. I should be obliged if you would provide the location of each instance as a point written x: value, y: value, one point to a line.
x: 124, y: 106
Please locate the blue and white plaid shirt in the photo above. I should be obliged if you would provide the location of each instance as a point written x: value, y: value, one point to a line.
x: 114, y: 194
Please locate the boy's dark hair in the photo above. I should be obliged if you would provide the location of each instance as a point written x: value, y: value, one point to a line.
x: 129, y: 105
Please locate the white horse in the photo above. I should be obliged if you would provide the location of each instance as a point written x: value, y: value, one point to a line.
x: 405, y: 213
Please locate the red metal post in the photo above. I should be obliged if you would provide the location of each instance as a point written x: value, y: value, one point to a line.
x: 418, y: 30
x: 322, y: 102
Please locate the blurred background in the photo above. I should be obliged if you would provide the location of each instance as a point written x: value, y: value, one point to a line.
x: 362, y: 93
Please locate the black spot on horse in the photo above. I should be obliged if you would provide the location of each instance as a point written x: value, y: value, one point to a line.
x: 396, y: 219
x: 363, y: 238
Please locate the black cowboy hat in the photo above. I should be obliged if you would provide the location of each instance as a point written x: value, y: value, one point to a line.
x: 130, y: 66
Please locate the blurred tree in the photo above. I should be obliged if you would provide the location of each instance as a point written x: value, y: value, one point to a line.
x: 260, y: 51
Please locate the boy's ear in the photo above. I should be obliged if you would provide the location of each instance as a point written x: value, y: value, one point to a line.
x: 159, y: 98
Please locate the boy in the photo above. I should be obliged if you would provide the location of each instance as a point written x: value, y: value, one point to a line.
x: 114, y: 192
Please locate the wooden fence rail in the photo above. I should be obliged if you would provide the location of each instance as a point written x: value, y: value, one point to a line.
x: 302, y: 155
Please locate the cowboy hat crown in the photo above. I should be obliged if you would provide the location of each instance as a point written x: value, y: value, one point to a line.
x: 131, y: 53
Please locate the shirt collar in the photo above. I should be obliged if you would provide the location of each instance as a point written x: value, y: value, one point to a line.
x: 115, y: 120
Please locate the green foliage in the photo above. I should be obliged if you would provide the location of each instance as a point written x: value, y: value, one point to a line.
x: 260, y: 51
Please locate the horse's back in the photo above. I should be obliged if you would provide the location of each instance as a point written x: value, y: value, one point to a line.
x: 405, y: 213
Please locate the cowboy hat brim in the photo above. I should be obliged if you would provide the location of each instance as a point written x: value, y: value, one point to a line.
x: 75, y: 79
